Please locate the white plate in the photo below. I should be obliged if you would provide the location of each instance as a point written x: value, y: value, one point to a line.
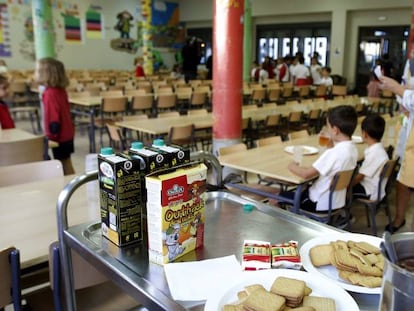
x: 330, y: 271
x: 320, y: 287
x: 357, y: 139
x: 308, y: 150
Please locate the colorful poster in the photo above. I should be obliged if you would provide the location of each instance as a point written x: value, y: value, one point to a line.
x: 164, y: 23
x: 72, y: 26
x: 5, y: 48
x: 94, y: 23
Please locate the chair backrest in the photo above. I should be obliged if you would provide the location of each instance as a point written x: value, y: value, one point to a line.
x: 339, y: 90
x: 320, y: 90
x: 273, y: 120
x: 116, y: 137
x: 181, y: 133
x: 304, y: 91
x: 231, y: 149
x: 93, y: 91
x: 258, y: 94
x: 385, y: 177
x: 198, y: 98
x: 29, y: 172
x: 287, y: 91
x: 10, y: 291
x: 340, y: 181
x: 273, y: 140
x: 114, y: 104
x: 273, y: 93
x: 166, y: 101
x: 142, y: 102
x: 79, y: 94
x: 298, y: 134
x: 22, y: 151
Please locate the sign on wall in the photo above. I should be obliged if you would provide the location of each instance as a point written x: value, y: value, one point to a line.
x: 5, y: 48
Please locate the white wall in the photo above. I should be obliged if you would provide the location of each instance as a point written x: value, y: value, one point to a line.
x: 346, y: 16
x: 91, y: 53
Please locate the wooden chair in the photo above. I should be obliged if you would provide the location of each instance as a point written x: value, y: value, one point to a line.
x: 272, y: 140
x: 117, y: 139
x: 298, y: 134
x: 21, y: 102
x: 273, y: 94
x: 112, y: 109
x: 93, y: 90
x: 304, y: 92
x: 339, y: 90
x: 258, y: 96
x: 198, y: 99
x: 387, y: 177
x: 135, y: 117
x: 294, y: 122
x: 92, y: 289
x: 341, y: 181
x: 321, y: 90
x: 314, y: 120
x: 270, y: 127
x: 112, y: 93
x: 10, y: 290
x: 182, y: 136
x: 142, y: 104
x: 28, y: 172
x: 166, y: 102
x: 23, y: 151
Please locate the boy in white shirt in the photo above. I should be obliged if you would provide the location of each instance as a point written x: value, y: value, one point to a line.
x: 326, y: 77
x: 366, y: 181
x: 341, y: 123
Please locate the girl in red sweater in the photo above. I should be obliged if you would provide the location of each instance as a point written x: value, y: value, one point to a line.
x: 6, y: 120
x: 57, y: 120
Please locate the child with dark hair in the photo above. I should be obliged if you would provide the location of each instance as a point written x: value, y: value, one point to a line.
x: 343, y: 155
x: 366, y: 181
x: 57, y: 120
x: 6, y: 121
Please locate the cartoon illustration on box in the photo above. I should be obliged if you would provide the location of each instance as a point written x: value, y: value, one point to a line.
x: 171, y: 237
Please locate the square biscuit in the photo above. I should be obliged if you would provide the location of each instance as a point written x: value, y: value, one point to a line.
x: 288, y: 287
x: 262, y: 300
x: 320, y: 254
x: 319, y: 303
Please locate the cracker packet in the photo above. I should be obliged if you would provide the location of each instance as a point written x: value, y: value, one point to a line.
x: 286, y: 255
x: 256, y: 255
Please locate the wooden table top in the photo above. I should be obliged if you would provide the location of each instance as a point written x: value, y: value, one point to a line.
x: 28, y: 217
x: 272, y: 161
x: 16, y: 134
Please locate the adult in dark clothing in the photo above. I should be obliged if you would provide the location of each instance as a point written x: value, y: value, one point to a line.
x: 191, y: 59
x: 209, y: 66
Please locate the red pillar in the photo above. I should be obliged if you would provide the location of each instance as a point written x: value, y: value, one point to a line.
x: 227, y: 71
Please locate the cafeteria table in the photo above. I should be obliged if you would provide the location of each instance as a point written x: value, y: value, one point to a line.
x: 14, y: 134
x: 227, y: 225
x: 28, y: 217
x: 273, y: 163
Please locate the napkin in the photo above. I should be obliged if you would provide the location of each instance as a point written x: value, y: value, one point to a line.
x: 196, y: 280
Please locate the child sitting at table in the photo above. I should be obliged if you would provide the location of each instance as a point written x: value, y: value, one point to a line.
x: 375, y: 156
x: 6, y: 121
x: 343, y: 155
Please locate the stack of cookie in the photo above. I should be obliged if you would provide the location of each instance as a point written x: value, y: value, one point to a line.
x: 359, y: 263
x: 285, y: 294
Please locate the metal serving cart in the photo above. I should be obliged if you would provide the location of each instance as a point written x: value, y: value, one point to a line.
x: 226, y: 227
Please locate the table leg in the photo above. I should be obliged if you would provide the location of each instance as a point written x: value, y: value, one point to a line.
x: 92, y: 144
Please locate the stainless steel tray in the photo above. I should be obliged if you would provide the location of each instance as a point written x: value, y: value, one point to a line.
x: 227, y: 226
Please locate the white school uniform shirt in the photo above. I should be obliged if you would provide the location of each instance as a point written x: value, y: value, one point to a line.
x: 300, y: 71
x: 316, y: 73
x: 326, y: 81
x: 343, y: 156
x: 374, y: 159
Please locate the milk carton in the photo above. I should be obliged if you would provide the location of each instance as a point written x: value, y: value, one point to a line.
x: 175, y: 212
x: 178, y: 154
x: 120, y: 198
